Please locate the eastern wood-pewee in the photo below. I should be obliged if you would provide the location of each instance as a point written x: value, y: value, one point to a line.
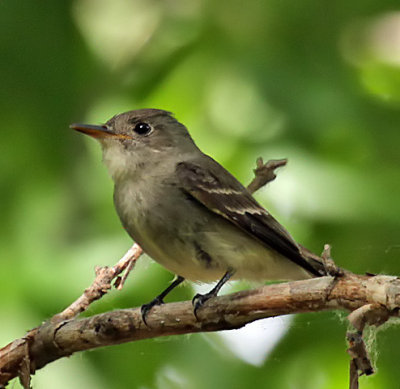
x: 187, y: 212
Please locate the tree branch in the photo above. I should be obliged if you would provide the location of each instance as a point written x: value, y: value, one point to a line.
x: 54, y: 340
x: 372, y: 299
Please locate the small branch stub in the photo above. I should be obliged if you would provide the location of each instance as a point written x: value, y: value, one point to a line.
x: 264, y: 173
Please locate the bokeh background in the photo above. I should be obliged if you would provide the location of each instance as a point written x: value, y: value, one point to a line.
x: 316, y: 82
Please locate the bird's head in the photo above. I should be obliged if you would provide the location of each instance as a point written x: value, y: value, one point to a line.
x: 134, y: 138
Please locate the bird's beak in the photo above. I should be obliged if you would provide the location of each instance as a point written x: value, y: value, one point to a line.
x: 98, y: 132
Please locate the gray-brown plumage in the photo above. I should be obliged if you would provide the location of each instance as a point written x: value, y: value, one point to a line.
x: 186, y: 211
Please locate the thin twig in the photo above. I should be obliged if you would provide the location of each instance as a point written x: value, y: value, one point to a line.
x: 264, y: 173
x: 101, y: 284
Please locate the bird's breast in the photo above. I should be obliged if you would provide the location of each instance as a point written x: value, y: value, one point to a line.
x: 148, y: 211
x: 166, y: 223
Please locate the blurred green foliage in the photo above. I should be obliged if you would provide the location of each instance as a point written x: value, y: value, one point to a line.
x: 316, y: 82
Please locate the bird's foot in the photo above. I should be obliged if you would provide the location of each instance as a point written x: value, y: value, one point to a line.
x: 199, y: 300
x: 146, y: 308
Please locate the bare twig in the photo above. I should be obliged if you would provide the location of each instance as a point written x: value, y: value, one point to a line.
x: 360, y: 363
x: 120, y: 281
x: 264, y: 173
x: 101, y: 284
x: 52, y: 341
x: 20, y: 349
x: 330, y: 266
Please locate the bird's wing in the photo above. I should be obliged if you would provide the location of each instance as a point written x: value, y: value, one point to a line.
x: 220, y: 192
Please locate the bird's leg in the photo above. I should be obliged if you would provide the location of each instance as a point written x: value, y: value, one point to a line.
x: 145, y: 309
x: 200, y: 299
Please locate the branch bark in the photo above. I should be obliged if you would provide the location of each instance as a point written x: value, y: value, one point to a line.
x: 54, y: 340
x: 371, y: 299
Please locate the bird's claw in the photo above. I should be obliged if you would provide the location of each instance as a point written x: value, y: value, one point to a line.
x: 199, y: 300
x: 146, y: 308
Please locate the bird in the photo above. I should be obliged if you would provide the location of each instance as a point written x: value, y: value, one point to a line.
x: 187, y: 212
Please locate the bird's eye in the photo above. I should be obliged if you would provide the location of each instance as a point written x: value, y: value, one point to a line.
x: 142, y: 129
